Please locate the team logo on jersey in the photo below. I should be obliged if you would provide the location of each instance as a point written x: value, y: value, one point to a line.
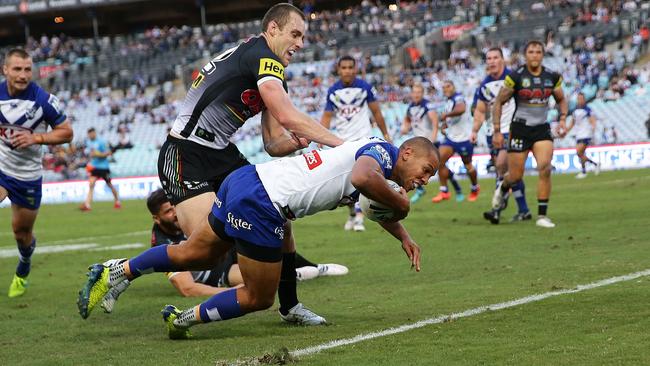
x: 525, y: 82
x: 269, y: 66
x: 313, y: 159
x: 279, y: 231
x: 253, y: 100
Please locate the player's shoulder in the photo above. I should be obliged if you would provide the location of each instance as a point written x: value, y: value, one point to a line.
x: 336, y: 86
x: 358, y: 82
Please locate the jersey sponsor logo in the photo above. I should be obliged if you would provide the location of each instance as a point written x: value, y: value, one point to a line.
x: 194, y: 185
x: 7, y: 132
x: 516, y: 144
x: 218, y: 202
x: 548, y: 83
x: 536, y: 95
x: 269, y: 66
x: 313, y: 159
x: 237, y: 223
x: 253, y: 100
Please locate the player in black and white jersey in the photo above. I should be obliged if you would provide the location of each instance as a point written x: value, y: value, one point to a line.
x: 230, y: 89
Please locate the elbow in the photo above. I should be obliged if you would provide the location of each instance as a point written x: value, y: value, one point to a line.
x: 359, y: 180
x: 273, y: 152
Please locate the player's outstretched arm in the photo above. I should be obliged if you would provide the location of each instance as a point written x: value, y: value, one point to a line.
x: 60, y: 134
x: 278, y: 141
x: 368, y: 179
x: 278, y: 103
x: 411, y: 249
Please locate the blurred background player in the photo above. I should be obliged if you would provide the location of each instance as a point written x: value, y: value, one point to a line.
x: 349, y: 102
x: 224, y: 275
x: 532, y: 86
x: 456, y: 127
x: 488, y: 91
x: 23, y: 129
x: 583, y: 123
x: 99, y: 151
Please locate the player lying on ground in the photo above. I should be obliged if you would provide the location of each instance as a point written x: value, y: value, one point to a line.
x: 250, y: 211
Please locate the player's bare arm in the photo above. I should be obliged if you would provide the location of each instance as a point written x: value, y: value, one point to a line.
x: 458, y: 110
x: 406, y: 125
x: 326, y: 119
x: 187, y: 287
x: 368, y: 179
x: 412, y: 250
x: 60, y: 134
x: 379, y: 118
x: 278, y: 141
x: 433, y: 117
x: 558, y: 94
x: 479, y: 118
x: 504, y: 95
x: 282, y: 109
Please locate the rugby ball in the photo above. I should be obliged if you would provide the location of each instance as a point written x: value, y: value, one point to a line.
x: 374, y: 210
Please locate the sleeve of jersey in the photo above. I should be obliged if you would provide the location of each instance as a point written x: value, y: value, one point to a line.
x: 329, y: 106
x: 381, y: 153
x: 558, y: 83
x: 510, y: 81
x: 479, y: 95
x: 265, y: 67
x: 372, y: 93
x: 52, y: 112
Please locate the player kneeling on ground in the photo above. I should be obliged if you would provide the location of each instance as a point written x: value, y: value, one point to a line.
x: 250, y: 210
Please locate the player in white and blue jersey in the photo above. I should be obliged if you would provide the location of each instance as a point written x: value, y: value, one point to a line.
x: 349, y: 104
x: 26, y: 112
x: 422, y: 119
x: 583, y: 124
x: 99, y: 151
x: 456, y: 128
x: 488, y: 91
x: 250, y: 210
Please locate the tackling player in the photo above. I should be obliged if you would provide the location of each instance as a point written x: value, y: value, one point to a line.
x: 583, y: 123
x: 456, y: 128
x: 349, y: 102
x: 487, y: 93
x: 532, y: 85
x: 250, y: 210
x: 27, y: 111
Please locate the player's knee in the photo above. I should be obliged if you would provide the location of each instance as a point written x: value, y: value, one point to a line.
x: 23, y: 235
x: 260, y: 302
x: 544, y: 169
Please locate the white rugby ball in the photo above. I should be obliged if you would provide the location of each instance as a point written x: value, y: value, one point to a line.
x: 376, y: 211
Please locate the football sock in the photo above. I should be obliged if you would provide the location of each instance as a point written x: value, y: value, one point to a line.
x: 221, y: 306
x: 25, y: 259
x: 498, y: 180
x: 584, y: 167
x: 454, y: 182
x: 475, y: 187
x: 542, y: 206
x: 444, y: 189
x: 421, y: 190
x: 303, y: 262
x: 152, y: 260
x: 519, y: 191
x: 287, y: 287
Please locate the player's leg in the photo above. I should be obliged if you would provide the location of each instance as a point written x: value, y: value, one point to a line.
x: 501, y: 164
x: 3, y: 193
x: 446, y: 151
x: 91, y: 189
x: 358, y: 218
x: 192, y: 211
x: 543, y: 153
x: 22, y: 224
x: 516, y: 165
x: 466, y: 156
x: 518, y: 189
x: 109, y: 183
x: 349, y: 223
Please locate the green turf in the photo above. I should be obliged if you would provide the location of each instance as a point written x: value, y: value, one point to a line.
x: 602, y: 232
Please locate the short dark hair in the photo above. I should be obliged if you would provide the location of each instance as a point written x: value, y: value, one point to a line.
x: 421, y: 145
x: 494, y: 49
x: 155, y: 200
x: 18, y: 52
x: 533, y: 42
x: 346, y: 58
x: 280, y: 14
x: 92, y: 129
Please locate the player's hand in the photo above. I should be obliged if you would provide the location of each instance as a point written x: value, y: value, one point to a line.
x: 473, y: 137
x: 23, y: 139
x: 388, y: 138
x: 401, y: 214
x: 412, y: 251
x: 299, y: 142
x: 497, y: 140
x: 561, y: 129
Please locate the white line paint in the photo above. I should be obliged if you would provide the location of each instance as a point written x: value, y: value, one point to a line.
x: 82, y: 239
x: 13, y: 252
x: 466, y: 313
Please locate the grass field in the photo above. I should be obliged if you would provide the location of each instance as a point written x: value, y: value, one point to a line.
x: 602, y: 232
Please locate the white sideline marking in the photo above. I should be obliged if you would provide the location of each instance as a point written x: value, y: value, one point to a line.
x: 87, y: 238
x: 466, y: 313
x: 13, y: 252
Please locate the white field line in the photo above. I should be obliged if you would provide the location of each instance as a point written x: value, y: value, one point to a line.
x: 466, y: 313
x: 82, y: 239
x: 13, y: 252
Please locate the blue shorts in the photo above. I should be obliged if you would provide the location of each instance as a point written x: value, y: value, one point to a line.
x: 246, y: 211
x: 465, y: 149
x: 23, y: 193
x: 586, y: 141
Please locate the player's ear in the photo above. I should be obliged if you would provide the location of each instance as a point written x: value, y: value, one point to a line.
x: 156, y: 219
x: 407, y: 152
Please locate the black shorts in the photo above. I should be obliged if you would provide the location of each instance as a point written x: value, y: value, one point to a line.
x: 105, y: 174
x: 187, y: 169
x: 522, y: 137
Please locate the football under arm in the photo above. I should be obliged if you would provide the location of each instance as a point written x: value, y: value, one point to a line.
x: 368, y: 179
x: 184, y: 283
x: 288, y: 116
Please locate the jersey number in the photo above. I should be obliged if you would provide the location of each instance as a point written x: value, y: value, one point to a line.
x: 211, y: 66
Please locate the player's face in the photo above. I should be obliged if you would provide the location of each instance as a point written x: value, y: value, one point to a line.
x: 494, y: 63
x: 347, y: 71
x: 289, y: 39
x: 18, y: 72
x: 416, y: 169
x: 534, y: 56
x: 448, y: 89
x: 166, y: 217
x: 417, y: 94
x: 92, y: 135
